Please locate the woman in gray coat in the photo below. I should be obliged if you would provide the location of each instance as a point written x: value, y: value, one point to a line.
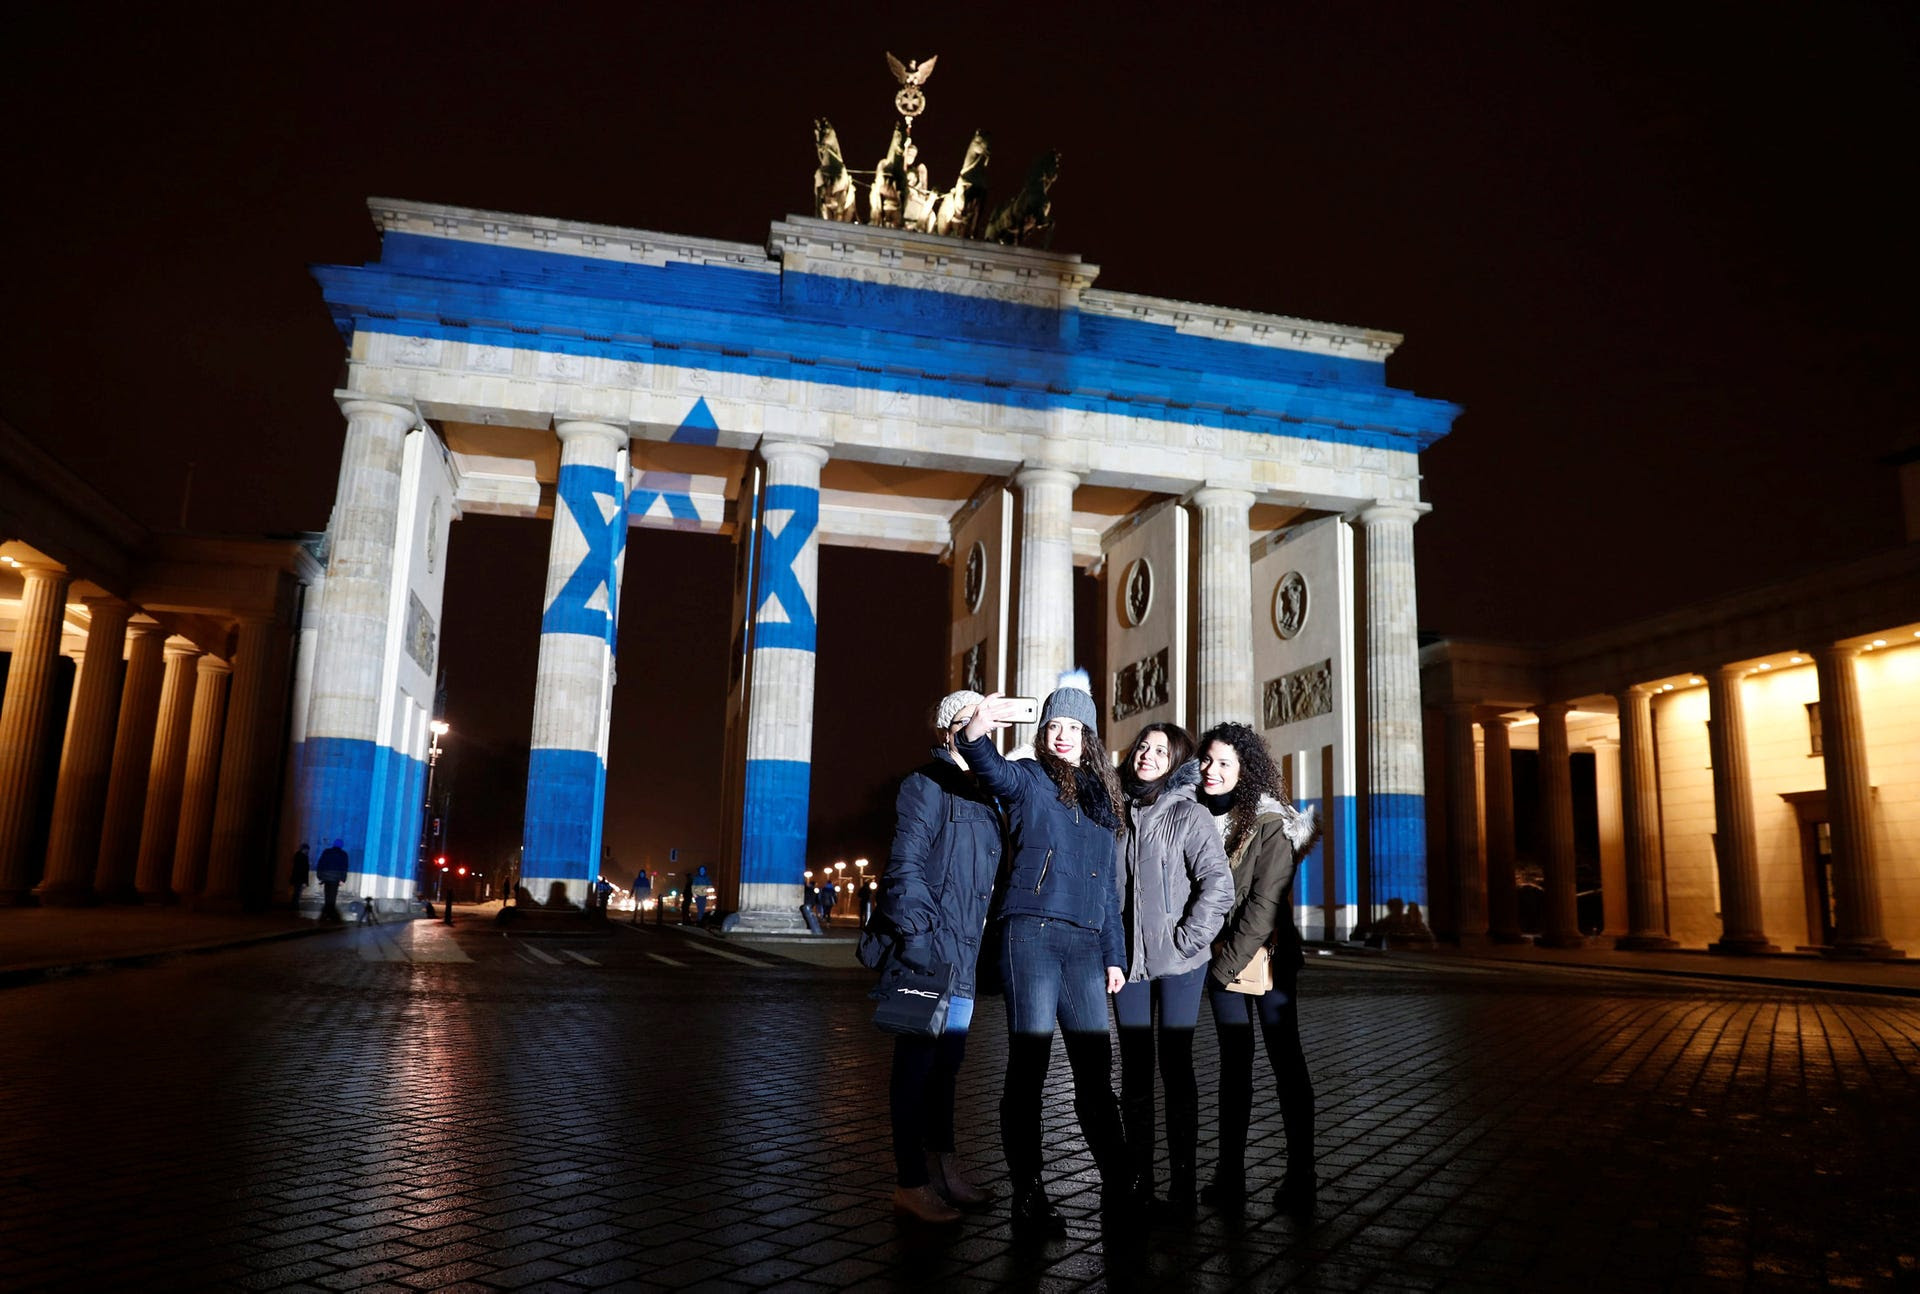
x: 1175, y: 890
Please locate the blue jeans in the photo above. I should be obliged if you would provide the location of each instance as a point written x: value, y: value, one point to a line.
x: 1054, y: 971
x: 920, y: 1096
x: 1178, y: 997
x: 1278, y: 1013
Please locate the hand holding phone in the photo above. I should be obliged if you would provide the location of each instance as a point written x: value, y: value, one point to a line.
x: 998, y: 711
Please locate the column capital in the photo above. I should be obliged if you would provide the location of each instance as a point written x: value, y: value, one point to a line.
x: 812, y: 451
x: 590, y: 429
x: 96, y: 603
x: 138, y: 628
x: 211, y: 664
x: 1558, y: 709
x: 1835, y: 652
x: 1488, y: 717
x: 181, y: 647
x: 1041, y: 474
x: 1211, y: 494
x: 1381, y: 510
x: 359, y: 402
x: 1635, y: 690
x: 1603, y: 743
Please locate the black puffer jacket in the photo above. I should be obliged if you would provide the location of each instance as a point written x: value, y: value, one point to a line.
x: 939, y: 878
x: 1063, y: 859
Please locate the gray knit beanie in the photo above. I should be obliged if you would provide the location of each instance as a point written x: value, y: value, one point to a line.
x: 1072, y: 699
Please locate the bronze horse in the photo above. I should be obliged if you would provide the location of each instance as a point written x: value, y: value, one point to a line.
x: 1030, y: 211
x: 833, y: 197
x: 958, y: 212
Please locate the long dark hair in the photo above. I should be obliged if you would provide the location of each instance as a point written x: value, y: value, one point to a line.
x: 1259, y: 775
x: 1093, y: 786
x: 1179, y: 751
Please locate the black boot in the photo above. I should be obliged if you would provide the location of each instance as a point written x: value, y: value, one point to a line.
x: 1034, y: 1216
x: 1296, y: 1193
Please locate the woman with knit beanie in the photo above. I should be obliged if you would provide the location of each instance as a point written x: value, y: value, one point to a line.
x: 1063, y: 947
x: 934, y: 896
x: 1265, y: 836
x: 1174, y: 894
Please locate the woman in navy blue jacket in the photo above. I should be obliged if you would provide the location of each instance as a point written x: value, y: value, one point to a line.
x: 1064, y: 946
x: 934, y: 897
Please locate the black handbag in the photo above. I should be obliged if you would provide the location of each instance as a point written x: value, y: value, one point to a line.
x: 914, y: 1002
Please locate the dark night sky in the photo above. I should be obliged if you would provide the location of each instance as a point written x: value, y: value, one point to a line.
x: 1662, y: 256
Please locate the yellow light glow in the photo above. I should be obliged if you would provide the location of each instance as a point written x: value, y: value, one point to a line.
x: 1764, y: 665
x: 1796, y: 660
x: 1696, y: 681
x: 1879, y: 642
x: 1666, y: 687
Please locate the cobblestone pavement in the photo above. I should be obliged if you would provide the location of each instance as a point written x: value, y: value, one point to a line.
x: 412, y: 1108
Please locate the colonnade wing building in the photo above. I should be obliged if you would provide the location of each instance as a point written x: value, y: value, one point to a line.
x: 1246, y: 485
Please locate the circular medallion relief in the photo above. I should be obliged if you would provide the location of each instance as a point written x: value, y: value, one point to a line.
x: 976, y: 575
x: 1290, y: 604
x: 433, y: 536
x: 1136, y: 592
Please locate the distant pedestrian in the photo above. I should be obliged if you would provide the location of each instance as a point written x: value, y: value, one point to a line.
x: 300, y: 874
x: 332, y: 871
x: 866, y: 903
x: 1265, y: 837
x: 369, y: 915
x: 604, y: 888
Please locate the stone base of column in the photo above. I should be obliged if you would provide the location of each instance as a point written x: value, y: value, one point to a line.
x: 67, y: 896
x: 1562, y: 941
x: 1748, y: 946
x: 767, y: 921
x: 1645, y: 943
x: 1863, y: 950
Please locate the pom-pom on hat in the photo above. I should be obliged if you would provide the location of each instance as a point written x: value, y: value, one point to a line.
x: 1072, y: 699
x: 952, y: 706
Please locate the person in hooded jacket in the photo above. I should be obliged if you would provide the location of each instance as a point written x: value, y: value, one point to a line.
x: 934, y: 897
x: 1062, y: 942
x: 1174, y: 894
x: 1265, y: 836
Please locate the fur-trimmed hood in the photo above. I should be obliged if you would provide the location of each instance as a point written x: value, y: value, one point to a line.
x: 1302, y: 826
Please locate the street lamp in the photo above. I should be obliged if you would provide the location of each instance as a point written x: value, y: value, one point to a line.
x: 429, y: 836
x: 840, y: 881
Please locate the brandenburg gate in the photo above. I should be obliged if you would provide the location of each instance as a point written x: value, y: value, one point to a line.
x: 1245, y: 484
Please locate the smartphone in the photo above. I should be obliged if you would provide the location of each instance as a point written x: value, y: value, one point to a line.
x: 1026, y: 709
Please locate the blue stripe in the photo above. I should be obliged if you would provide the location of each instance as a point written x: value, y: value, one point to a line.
x: 773, y: 828
x: 562, y: 832
x: 891, y: 338
x: 363, y: 794
x: 1397, y: 847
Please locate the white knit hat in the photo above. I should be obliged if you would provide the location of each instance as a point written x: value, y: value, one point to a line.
x: 952, y: 706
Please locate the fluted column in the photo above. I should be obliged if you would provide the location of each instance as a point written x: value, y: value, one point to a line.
x: 73, y: 844
x: 1556, y: 824
x: 778, y: 778
x: 1463, y: 828
x: 1503, y: 897
x: 23, y: 725
x: 1613, y: 857
x: 1223, y: 645
x: 1396, y: 775
x: 202, y: 778
x: 1640, y: 825
x: 166, y: 772
x: 1858, y: 924
x: 1046, y: 579
x: 239, y: 812
x: 113, y: 875
x: 1741, y: 929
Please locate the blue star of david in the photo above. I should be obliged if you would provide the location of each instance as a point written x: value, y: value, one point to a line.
x: 778, y: 553
x: 579, y: 491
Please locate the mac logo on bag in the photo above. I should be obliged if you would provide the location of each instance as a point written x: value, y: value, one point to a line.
x: 918, y: 992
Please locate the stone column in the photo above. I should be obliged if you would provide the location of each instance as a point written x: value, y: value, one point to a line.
x: 1223, y: 643
x: 166, y: 773
x: 1396, y: 812
x: 1045, y: 647
x: 202, y: 777
x: 339, y: 767
x: 566, y: 777
x: 1463, y: 827
x: 779, y: 771
x: 246, y: 761
x: 23, y: 725
x: 1741, y: 930
x: 1640, y: 826
x: 73, y: 845
x: 1503, y: 898
x: 1856, y: 873
x: 113, y: 875
x: 1613, y: 857
x: 1556, y: 823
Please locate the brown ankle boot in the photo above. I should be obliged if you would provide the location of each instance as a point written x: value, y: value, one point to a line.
x: 944, y: 1171
x: 923, y: 1204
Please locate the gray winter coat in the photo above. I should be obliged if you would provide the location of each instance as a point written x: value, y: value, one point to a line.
x: 1175, y: 888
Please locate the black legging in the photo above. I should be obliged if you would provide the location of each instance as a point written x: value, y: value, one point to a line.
x: 921, y: 1099
x: 1279, y: 1015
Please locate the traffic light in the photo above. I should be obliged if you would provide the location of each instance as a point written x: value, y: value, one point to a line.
x: 460, y: 871
x: 442, y: 862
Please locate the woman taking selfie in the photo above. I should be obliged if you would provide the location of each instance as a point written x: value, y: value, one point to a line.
x: 1062, y: 948
x: 1174, y: 894
x: 1264, y: 837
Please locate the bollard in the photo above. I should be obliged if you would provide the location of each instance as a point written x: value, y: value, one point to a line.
x: 448, y: 919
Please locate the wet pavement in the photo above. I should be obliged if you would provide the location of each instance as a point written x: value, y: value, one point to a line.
x: 415, y: 1108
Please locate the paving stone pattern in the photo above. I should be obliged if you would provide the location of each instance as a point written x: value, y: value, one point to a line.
x: 649, y: 1114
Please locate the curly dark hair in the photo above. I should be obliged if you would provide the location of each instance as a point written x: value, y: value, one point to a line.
x: 1094, y: 787
x: 1259, y: 775
x: 1179, y: 751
